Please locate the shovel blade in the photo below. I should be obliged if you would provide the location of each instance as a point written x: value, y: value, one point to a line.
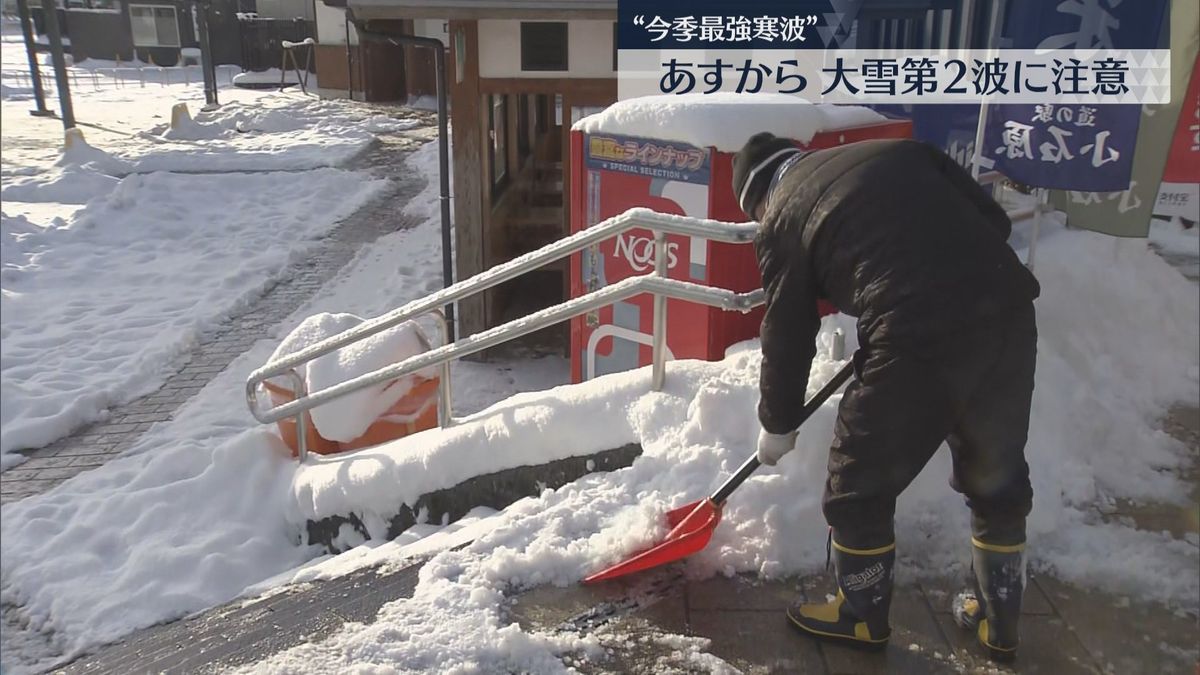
x: 691, y: 529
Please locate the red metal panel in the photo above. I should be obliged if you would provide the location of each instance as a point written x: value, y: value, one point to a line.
x: 692, y: 331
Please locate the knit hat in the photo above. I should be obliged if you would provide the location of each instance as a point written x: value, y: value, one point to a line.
x: 754, y: 166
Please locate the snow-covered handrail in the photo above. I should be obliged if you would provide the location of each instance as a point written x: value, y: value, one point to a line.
x: 662, y: 288
x: 621, y: 290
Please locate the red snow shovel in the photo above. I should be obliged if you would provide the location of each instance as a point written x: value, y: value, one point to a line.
x: 692, y: 525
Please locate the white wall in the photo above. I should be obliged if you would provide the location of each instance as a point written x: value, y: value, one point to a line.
x: 589, y: 50
x: 285, y: 9
x: 331, y: 25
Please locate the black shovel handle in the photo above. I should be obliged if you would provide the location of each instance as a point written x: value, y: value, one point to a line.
x: 752, y: 464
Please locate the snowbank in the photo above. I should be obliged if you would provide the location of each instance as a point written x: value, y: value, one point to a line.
x: 725, y: 121
x: 1179, y: 245
x: 96, y: 311
x: 66, y: 186
x: 82, y: 173
x: 283, y: 133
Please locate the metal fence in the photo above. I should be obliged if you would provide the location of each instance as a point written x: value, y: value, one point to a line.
x: 262, y: 40
x: 120, y: 77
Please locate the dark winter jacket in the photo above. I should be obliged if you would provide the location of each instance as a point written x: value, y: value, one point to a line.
x: 893, y: 232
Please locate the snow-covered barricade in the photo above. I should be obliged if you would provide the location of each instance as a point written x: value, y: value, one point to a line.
x: 383, y: 411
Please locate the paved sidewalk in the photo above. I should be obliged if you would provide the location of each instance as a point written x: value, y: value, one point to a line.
x: 1063, y: 630
x: 100, y: 442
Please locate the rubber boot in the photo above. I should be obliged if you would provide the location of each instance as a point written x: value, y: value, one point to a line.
x: 858, y: 616
x: 993, y: 609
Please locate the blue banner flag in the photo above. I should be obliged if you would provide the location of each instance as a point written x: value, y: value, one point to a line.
x: 1071, y: 147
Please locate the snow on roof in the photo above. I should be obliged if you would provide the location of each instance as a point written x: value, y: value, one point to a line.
x: 725, y: 121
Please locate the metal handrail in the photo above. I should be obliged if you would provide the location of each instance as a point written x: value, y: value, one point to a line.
x: 621, y: 290
x: 660, y: 224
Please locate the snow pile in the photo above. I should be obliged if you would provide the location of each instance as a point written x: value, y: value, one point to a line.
x: 96, y: 311
x: 14, y: 232
x: 81, y: 155
x: 348, y: 417
x: 283, y: 132
x: 81, y: 174
x: 723, y: 120
x: 1178, y: 244
x: 64, y: 186
x: 185, y: 128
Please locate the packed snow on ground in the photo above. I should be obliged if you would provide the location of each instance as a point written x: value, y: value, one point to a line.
x: 288, y: 131
x: 96, y: 310
x: 723, y: 120
x: 253, y: 130
x: 193, y: 515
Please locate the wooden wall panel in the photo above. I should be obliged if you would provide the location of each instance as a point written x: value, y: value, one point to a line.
x: 469, y: 154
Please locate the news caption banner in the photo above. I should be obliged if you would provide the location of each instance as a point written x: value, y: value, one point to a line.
x: 807, y: 49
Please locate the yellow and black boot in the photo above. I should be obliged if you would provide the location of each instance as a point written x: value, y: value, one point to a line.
x: 993, y: 609
x: 858, y: 615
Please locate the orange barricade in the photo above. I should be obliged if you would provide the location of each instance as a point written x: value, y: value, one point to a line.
x: 416, y: 411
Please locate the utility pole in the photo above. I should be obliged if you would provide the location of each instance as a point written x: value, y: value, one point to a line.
x: 39, y: 94
x: 200, y: 12
x: 50, y: 8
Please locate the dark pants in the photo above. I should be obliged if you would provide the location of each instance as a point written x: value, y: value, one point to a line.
x: 972, y: 390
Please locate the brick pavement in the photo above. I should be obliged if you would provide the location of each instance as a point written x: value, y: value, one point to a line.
x: 97, y: 443
x: 1064, y: 630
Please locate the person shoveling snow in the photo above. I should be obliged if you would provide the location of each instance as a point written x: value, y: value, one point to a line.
x: 897, y: 234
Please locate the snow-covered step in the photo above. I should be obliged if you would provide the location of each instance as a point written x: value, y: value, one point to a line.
x: 338, y: 533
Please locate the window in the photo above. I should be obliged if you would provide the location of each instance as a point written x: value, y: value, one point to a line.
x: 498, y: 143
x: 544, y: 45
x: 98, y: 5
x: 154, y: 26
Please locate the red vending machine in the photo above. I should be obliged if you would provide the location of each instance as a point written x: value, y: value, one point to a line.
x: 612, y: 173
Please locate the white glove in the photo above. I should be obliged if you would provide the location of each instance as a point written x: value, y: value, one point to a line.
x: 771, y: 447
